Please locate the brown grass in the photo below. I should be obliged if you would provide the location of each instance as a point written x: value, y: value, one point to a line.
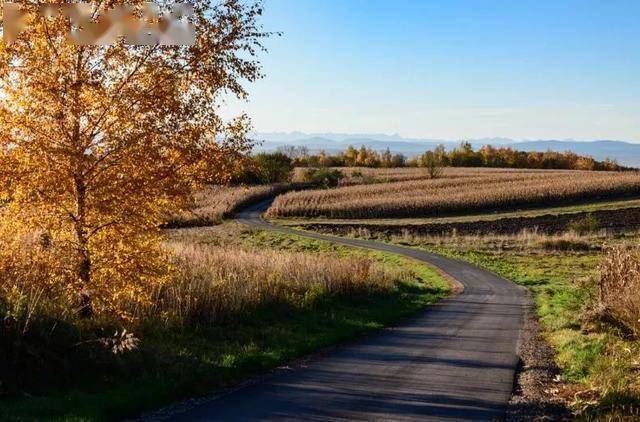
x: 527, y: 240
x: 214, y: 283
x: 458, y: 191
x: 216, y: 203
x: 32, y: 282
x: 215, y: 279
x: 365, y: 175
x: 619, y: 287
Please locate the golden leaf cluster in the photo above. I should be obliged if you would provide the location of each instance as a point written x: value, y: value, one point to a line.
x: 97, y: 143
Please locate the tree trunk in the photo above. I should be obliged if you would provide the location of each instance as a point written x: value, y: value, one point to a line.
x: 84, y: 257
x: 83, y: 270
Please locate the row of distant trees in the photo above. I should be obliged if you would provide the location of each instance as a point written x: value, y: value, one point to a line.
x: 277, y: 166
x: 462, y: 156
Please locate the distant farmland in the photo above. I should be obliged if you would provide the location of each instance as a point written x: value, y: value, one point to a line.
x: 457, y: 191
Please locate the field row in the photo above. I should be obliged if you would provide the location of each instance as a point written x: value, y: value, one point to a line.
x: 366, y: 175
x: 467, y: 190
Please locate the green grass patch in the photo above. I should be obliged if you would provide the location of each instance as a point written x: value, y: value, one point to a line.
x: 553, y: 278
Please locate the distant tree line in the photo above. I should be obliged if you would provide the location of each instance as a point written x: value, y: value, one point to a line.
x: 277, y: 167
x: 274, y: 167
x: 351, y: 157
x: 462, y: 156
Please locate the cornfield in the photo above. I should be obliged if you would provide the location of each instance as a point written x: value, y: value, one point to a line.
x: 215, y: 203
x: 366, y: 175
x: 458, y: 191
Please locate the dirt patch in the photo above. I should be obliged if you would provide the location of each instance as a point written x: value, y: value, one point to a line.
x: 612, y: 220
x: 535, y: 395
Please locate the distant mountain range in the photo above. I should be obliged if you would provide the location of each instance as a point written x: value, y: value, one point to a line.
x: 626, y: 153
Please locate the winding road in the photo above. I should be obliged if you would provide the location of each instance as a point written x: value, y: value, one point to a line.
x: 455, y: 361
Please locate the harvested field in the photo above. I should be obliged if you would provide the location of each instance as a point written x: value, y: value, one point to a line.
x: 615, y: 221
x: 459, y: 191
x: 366, y: 175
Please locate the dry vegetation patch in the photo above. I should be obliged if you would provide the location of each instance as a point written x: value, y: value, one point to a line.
x: 619, y: 288
x: 214, y: 203
x: 460, y: 190
x: 215, y: 283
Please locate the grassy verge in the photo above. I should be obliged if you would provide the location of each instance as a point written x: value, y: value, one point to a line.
x: 171, y: 364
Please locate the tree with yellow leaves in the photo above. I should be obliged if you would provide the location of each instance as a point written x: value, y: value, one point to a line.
x: 99, y: 142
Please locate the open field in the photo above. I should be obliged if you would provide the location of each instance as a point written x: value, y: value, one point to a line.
x: 207, y: 321
x: 367, y: 175
x: 614, y: 220
x: 215, y: 203
x: 469, y: 190
x: 578, y: 282
x: 240, y: 302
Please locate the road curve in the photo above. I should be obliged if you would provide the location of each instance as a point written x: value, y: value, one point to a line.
x: 454, y: 361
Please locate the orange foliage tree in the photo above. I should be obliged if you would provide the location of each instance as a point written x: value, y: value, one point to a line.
x: 98, y: 143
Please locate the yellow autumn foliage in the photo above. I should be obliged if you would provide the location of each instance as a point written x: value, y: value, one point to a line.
x: 99, y: 143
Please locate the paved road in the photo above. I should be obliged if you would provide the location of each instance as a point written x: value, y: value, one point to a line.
x: 455, y: 361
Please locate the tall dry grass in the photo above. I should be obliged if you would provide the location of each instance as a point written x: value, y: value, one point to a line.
x: 462, y: 191
x: 209, y: 285
x: 619, y: 287
x: 213, y: 284
x: 526, y: 240
x: 33, y: 282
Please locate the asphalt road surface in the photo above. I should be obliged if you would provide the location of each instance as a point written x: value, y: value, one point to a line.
x: 454, y: 361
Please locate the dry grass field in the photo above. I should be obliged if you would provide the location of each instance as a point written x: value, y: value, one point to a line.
x: 215, y: 203
x: 618, y: 289
x: 368, y: 175
x: 458, y: 191
x: 215, y: 283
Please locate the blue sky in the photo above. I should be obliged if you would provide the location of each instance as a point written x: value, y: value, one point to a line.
x: 451, y: 69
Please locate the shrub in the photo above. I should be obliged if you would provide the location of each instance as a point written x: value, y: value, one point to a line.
x: 326, y: 178
x: 273, y: 167
x: 432, y: 163
x: 561, y: 244
x: 585, y: 225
